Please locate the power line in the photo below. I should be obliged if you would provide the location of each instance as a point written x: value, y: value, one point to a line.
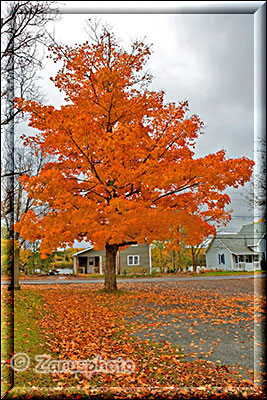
x: 232, y: 236
x: 243, y: 216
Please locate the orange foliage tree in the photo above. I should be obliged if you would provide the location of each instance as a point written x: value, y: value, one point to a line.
x: 123, y: 168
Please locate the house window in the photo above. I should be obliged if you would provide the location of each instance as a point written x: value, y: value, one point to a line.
x: 256, y: 257
x: 133, y: 260
x: 248, y: 258
x: 221, y: 259
x: 241, y: 258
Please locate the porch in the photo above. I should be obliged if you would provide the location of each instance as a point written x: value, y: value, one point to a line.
x: 246, y: 262
x: 88, y: 265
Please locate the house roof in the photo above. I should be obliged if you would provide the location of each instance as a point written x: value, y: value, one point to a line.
x: 252, y: 233
x: 235, y: 244
x: 83, y: 251
x: 91, y: 247
x: 240, y: 242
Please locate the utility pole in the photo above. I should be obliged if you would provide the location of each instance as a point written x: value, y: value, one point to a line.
x: 10, y: 161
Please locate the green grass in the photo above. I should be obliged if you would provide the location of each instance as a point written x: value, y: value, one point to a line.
x: 188, y: 274
x: 28, y: 339
x: 121, y: 276
x: 211, y: 273
x: 90, y: 276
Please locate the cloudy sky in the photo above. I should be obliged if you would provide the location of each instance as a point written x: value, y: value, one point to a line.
x: 204, y: 58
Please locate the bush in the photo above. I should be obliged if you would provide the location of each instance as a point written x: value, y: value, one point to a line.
x: 135, y: 271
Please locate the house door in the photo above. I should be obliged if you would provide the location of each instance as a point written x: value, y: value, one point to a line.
x: 90, y: 264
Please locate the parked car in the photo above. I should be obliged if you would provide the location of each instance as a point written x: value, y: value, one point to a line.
x: 53, y: 272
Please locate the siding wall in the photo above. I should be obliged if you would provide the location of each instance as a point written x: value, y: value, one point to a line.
x: 142, y: 250
x: 212, y: 256
x: 262, y: 247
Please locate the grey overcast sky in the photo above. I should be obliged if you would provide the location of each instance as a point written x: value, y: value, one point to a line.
x: 205, y: 58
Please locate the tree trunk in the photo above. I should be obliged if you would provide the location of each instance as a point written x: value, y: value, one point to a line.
x: 173, y: 261
x: 194, y: 259
x: 179, y: 256
x: 110, y: 270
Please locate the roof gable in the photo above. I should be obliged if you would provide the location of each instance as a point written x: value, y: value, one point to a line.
x: 252, y: 233
x: 83, y: 251
x: 240, y: 242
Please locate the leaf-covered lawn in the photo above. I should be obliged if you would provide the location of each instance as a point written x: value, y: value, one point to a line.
x: 80, y: 322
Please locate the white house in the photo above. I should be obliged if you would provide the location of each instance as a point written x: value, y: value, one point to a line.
x: 242, y: 251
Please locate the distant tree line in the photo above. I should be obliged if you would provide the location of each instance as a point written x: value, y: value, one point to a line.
x: 172, y: 260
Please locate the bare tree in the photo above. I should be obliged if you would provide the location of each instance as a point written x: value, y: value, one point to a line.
x: 23, y: 39
x: 197, y: 253
x: 256, y: 196
x: 26, y: 164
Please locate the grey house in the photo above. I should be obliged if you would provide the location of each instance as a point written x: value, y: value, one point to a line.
x: 136, y: 257
x: 243, y: 251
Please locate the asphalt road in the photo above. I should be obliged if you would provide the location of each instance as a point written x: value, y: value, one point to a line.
x: 64, y: 281
x: 224, y: 334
